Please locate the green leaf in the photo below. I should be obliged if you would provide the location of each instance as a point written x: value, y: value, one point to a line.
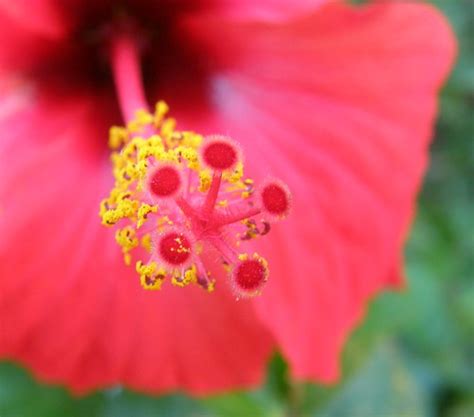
x: 269, y: 401
x: 21, y: 396
x: 128, y: 404
x: 463, y: 408
x: 387, y: 386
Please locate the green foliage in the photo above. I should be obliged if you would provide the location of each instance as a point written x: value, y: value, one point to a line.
x: 414, y: 354
x: 21, y: 396
x: 387, y: 385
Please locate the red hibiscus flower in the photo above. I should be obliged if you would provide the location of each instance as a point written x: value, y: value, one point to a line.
x: 336, y: 100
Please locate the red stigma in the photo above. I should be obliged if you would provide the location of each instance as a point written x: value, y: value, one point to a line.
x: 175, y: 248
x: 220, y: 154
x: 250, y: 275
x: 165, y: 182
x: 275, y: 199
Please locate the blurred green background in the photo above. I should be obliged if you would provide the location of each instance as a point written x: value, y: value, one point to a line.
x: 414, y: 354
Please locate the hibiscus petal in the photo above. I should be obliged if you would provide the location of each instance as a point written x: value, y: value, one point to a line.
x: 36, y: 27
x: 340, y: 105
x: 267, y: 10
x: 70, y: 309
x: 31, y: 43
x: 40, y: 17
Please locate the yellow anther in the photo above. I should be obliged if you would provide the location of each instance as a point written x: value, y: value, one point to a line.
x: 243, y: 257
x: 127, y: 208
x: 143, y: 212
x: 127, y: 240
x: 235, y: 175
x: 142, y: 168
x: 110, y: 218
x: 223, y: 203
x: 167, y: 129
x: 130, y: 149
x: 130, y: 172
x: 151, y: 276
x: 190, y: 155
x: 211, y: 286
x: 150, y: 149
x: 238, y: 186
x: 192, y: 140
x: 146, y: 242
x: 142, y: 119
x: 162, y: 222
x: 161, y: 109
x: 150, y: 284
x: 191, y: 274
x: 127, y: 259
x: 252, y: 230
x: 189, y: 277
x: 118, y: 136
x: 255, y: 256
x: 261, y: 259
x: 104, y: 207
x: 205, y: 180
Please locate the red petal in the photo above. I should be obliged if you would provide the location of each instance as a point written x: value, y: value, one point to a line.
x: 70, y: 309
x: 39, y: 17
x: 38, y: 27
x: 27, y: 37
x: 268, y: 10
x: 341, y: 106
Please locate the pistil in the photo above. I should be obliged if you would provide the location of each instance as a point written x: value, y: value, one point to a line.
x: 126, y: 70
x: 172, y: 192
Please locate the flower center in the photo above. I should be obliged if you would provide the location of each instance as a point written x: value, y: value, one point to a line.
x: 178, y: 194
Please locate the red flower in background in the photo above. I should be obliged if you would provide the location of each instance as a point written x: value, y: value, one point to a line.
x: 337, y: 100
